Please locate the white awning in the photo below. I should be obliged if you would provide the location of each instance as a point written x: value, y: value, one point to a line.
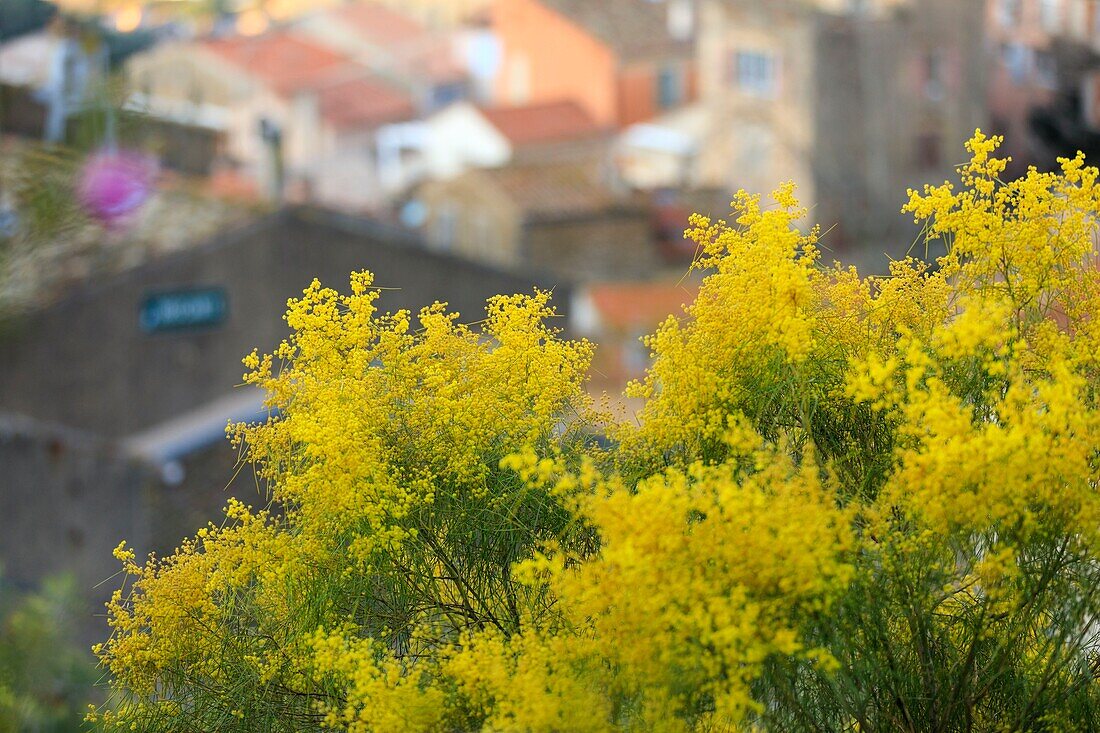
x: 198, y: 428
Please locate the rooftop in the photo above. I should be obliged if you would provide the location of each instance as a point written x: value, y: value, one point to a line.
x: 404, y: 40
x: 553, y: 190
x: 542, y: 123
x: 349, y: 94
x: 364, y: 102
x: 380, y: 25
x: 280, y: 59
x: 631, y: 305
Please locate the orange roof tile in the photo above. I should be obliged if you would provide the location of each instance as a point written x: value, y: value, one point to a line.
x: 640, y: 304
x: 284, y: 61
x: 348, y: 94
x: 542, y: 123
x: 364, y: 102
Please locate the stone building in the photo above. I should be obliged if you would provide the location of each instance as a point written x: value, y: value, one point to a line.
x: 67, y: 498
x: 855, y: 102
x: 1044, y: 79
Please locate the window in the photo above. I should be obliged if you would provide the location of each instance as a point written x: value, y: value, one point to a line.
x: 934, y: 75
x: 1046, y: 70
x: 444, y: 94
x: 1050, y: 15
x: 928, y: 151
x: 1009, y: 12
x: 1016, y: 57
x: 445, y: 225
x: 670, y: 87
x: 755, y: 72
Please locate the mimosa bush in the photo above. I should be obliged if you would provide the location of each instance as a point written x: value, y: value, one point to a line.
x: 847, y: 503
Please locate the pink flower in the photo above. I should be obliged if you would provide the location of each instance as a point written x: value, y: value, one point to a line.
x: 114, y: 184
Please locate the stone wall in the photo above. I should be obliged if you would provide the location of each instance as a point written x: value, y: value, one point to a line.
x: 613, y: 244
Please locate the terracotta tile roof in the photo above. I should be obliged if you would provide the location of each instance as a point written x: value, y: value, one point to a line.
x: 348, y: 94
x: 542, y: 123
x: 364, y: 102
x: 634, y: 29
x: 628, y: 306
x: 632, y: 305
x: 280, y: 59
x: 548, y: 191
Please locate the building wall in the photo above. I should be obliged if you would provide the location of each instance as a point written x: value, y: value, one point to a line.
x: 896, y: 98
x: 440, y: 147
x: 66, y: 500
x: 185, y: 72
x: 757, y: 138
x: 440, y: 13
x: 1016, y: 47
x: 546, y: 58
x: 87, y: 363
x: 471, y: 217
x: 852, y: 115
x: 637, y: 92
x: 638, y: 88
x: 612, y: 244
x: 343, y: 173
x: 182, y: 74
x: 319, y: 164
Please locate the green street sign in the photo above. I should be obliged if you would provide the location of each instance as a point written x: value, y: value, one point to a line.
x: 183, y: 310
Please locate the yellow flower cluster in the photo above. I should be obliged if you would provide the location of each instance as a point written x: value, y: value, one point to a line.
x: 847, y: 503
x: 703, y: 574
x: 753, y: 309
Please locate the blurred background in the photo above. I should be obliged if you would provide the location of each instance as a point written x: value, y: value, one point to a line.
x: 172, y: 171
